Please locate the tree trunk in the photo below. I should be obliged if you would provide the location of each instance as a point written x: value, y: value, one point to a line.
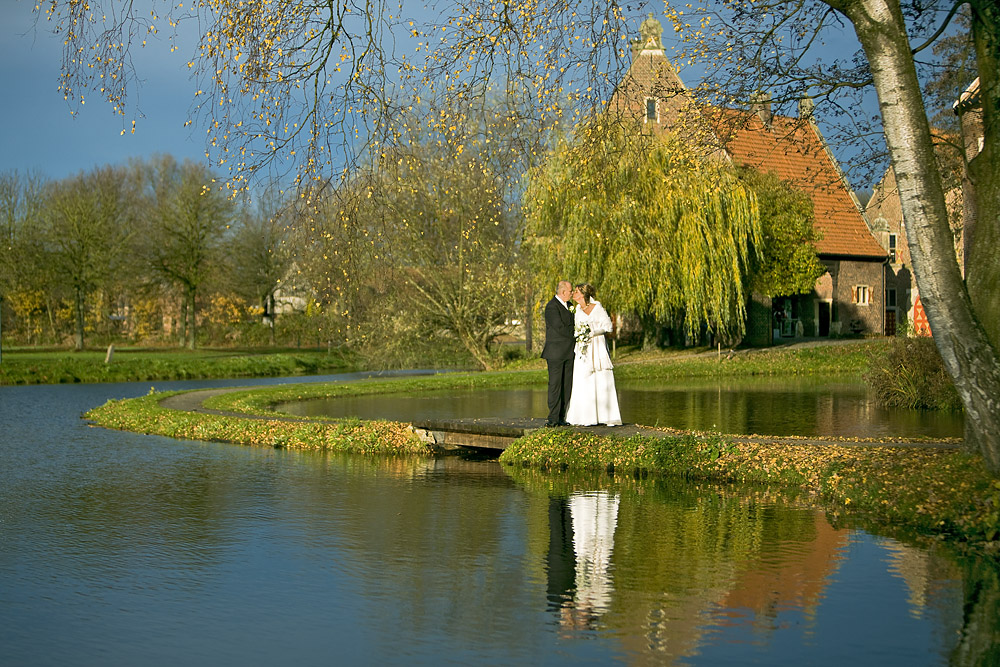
x: 183, y: 320
x: 650, y: 332
x: 192, y: 325
x: 969, y: 357
x: 982, y: 271
x: 78, y: 307
x: 272, y: 316
x: 529, y: 320
x: 478, y: 351
x: 50, y: 316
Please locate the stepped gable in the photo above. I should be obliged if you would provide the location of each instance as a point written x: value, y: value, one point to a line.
x: 651, y: 78
x: 793, y: 150
x: 652, y: 75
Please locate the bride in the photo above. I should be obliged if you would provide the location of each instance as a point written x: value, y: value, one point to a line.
x: 593, y: 399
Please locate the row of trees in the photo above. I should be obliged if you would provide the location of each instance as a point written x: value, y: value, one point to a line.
x: 430, y: 250
x: 148, y: 252
x: 113, y: 251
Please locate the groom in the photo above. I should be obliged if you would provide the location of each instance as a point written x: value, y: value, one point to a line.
x: 558, y: 352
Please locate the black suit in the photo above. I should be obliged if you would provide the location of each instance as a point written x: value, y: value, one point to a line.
x: 558, y: 352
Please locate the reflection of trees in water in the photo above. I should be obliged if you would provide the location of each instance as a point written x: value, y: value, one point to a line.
x: 678, y: 559
x: 688, y: 560
x: 656, y: 570
x: 396, y: 520
x: 979, y: 639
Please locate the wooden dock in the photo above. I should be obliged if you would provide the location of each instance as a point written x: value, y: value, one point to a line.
x: 496, y: 434
x: 484, y: 433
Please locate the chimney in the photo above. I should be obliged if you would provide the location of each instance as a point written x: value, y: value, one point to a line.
x: 806, y: 108
x: 760, y: 104
x: 636, y: 46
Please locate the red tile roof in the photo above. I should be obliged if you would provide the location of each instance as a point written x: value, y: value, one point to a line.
x: 793, y: 150
x: 790, y: 148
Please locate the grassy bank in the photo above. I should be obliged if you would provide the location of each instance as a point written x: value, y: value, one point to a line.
x: 943, y: 492
x: 144, y: 415
x: 129, y: 364
x: 830, y: 358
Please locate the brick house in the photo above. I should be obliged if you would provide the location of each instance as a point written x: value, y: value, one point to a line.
x: 885, y: 219
x: 884, y: 213
x: 969, y: 109
x: 850, y: 297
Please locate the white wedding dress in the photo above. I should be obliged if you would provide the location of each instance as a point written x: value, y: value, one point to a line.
x: 594, y: 399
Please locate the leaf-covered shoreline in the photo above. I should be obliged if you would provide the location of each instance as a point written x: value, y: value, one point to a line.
x: 945, y: 492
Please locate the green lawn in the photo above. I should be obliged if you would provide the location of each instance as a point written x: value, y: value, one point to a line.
x: 56, y: 366
x: 30, y: 366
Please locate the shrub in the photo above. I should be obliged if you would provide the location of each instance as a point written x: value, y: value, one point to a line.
x: 909, y: 373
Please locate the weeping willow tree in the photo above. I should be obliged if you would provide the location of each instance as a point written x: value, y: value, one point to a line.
x: 661, y: 233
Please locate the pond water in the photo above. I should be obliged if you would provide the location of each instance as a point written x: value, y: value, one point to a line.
x: 123, y: 549
x: 766, y: 406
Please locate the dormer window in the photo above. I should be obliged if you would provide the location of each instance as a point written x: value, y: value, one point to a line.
x: 651, y: 113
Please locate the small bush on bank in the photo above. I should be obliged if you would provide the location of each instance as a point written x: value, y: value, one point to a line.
x: 909, y: 373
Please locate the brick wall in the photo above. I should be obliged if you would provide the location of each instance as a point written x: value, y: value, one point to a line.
x: 851, y: 274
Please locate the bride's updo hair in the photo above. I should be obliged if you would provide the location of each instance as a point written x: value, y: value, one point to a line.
x: 588, y: 291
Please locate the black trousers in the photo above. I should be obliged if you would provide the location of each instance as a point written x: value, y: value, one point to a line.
x: 560, y: 387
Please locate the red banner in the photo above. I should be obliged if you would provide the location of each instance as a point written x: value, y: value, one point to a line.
x: 921, y: 326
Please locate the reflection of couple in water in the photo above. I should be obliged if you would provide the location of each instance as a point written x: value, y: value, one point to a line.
x: 581, y: 539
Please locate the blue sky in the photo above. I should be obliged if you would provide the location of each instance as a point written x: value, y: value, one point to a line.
x: 40, y: 133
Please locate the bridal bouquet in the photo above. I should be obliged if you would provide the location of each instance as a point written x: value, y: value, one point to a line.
x: 582, y: 335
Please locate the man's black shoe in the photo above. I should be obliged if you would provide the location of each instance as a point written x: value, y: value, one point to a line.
x: 551, y: 424
x: 563, y: 424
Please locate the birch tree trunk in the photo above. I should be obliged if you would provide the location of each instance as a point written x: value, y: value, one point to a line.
x: 982, y: 270
x: 958, y: 332
x: 79, y: 311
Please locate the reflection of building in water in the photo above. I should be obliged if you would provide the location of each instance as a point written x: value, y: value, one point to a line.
x: 716, y: 565
x: 927, y: 577
x: 581, y: 540
x: 793, y: 578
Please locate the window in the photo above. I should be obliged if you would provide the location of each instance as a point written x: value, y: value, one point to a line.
x: 892, y: 248
x: 650, y: 109
x: 859, y: 295
x: 890, y: 298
